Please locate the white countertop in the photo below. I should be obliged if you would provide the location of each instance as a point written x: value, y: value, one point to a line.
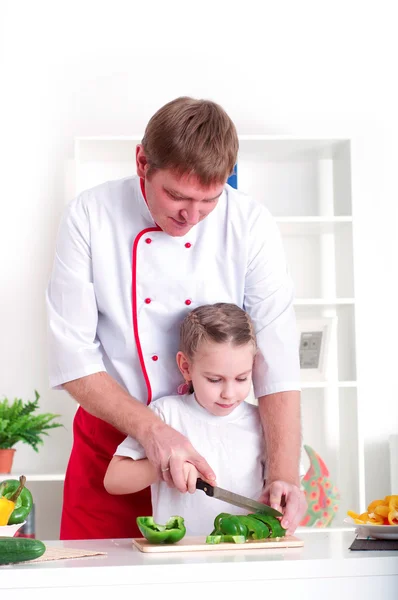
x: 325, y: 554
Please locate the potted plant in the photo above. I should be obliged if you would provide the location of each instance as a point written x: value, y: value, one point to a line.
x: 18, y: 423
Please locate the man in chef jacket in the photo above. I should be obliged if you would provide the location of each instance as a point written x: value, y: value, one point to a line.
x: 133, y: 256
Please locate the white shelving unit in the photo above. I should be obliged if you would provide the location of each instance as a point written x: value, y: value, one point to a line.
x: 306, y: 184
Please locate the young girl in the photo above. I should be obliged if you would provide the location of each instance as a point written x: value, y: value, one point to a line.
x: 217, y: 350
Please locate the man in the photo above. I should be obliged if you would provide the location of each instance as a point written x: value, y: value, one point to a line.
x: 132, y: 257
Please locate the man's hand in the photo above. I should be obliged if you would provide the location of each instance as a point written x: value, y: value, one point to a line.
x: 289, y: 500
x: 168, y: 450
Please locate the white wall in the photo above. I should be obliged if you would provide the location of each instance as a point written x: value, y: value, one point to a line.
x: 78, y: 68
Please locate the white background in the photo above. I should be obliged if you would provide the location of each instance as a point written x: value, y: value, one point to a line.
x: 103, y: 68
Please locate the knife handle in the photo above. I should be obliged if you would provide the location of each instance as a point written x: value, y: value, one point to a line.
x: 205, y: 487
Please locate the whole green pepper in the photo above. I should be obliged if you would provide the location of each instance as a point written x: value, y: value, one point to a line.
x: 23, y: 504
x: 172, y: 532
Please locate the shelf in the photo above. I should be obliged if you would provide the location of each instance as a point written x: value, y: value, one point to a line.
x: 328, y: 384
x: 303, y: 226
x: 34, y: 477
x: 322, y: 301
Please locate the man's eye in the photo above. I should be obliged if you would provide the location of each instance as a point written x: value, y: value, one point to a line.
x: 244, y: 379
x: 174, y: 197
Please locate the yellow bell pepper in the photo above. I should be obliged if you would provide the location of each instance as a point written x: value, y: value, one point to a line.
x: 6, y: 510
x: 375, y: 503
x: 382, y: 510
x: 393, y: 510
x: 375, y: 519
x: 7, y: 505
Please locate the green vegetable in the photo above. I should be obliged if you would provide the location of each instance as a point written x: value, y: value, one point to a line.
x: 276, y: 529
x: 172, y: 532
x: 256, y: 526
x: 225, y: 539
x: 19, y: 424
x: 16, y: 549
x: 257, y: 530
x: 231, y: 525
x: 23, y: 504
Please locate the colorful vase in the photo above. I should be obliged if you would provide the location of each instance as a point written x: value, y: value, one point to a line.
x: 321, y: 494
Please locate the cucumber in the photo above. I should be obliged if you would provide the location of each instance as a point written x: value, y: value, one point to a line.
x: 18, y: 549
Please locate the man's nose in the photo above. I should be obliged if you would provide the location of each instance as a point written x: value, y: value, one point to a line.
x: 191, y: 214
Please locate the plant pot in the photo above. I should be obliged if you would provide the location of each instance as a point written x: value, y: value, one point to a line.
x: 6, y: 458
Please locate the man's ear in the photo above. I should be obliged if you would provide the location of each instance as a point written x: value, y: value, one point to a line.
x: 184, y: 366
x: 141, y: 161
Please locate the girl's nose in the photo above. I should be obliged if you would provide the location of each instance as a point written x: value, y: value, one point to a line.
x: 227, y: 391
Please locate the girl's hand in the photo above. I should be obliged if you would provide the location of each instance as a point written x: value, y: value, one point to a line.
x: 191, y: 474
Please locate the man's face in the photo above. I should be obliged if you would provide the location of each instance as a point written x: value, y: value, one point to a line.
x: 176, y: 203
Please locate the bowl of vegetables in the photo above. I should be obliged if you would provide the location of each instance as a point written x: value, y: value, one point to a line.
x: 380, y: 521
x: 15, y: 504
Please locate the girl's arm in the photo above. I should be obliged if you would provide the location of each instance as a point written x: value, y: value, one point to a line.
x: 127, y: 476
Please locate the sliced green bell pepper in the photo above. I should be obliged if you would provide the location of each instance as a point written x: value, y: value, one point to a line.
x: 172, y: 532
x: 275, y: 527
x: 23, y: 504
x: 257, y: 530
x: 231, y: 525
x: 225, y: 539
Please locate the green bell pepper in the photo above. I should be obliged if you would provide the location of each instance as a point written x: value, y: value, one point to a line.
x: 225, y: 539
x: 257, y: 530
x: 23, y: 504
x: 275, y: 527
x: 230, y: 525
x: 172, y: 532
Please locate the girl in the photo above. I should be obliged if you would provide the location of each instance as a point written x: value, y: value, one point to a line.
x: 217, y: 350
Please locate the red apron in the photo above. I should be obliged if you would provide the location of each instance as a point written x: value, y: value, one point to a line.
x: 89, y: 512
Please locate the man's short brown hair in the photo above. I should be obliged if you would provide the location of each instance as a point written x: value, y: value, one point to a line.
x: 192, y: 137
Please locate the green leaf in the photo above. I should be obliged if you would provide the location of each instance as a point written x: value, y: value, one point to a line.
x: 19, y: 424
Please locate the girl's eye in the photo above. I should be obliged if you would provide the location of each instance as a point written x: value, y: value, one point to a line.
x: 213, y: 380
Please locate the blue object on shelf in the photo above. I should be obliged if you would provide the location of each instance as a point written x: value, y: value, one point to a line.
x: 233, y: 179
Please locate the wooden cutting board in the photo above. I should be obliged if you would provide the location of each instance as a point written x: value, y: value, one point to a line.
x: 195, y: 544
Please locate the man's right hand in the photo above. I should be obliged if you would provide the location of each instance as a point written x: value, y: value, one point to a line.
x: 168, y: 450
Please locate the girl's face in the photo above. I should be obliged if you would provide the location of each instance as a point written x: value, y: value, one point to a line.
x: 221, y: 375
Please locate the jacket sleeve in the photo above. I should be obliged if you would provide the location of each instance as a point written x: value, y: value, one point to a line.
x: 74, y: 350
x: 269, y: 301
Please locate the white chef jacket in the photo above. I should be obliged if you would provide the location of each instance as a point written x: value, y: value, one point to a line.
x: 233, y: 444
x: 120, y: 287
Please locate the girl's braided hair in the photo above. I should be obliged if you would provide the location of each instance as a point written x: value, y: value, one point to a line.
x: 220, y: 323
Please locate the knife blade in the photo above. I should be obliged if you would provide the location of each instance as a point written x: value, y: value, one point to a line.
x: 235, y: 499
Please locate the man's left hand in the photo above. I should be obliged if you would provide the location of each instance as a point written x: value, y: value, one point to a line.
x: 289, y: 500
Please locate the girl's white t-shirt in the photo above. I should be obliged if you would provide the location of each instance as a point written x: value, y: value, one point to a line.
x: 233, y: 446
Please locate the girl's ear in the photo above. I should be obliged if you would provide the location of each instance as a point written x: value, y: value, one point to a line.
x: 184, y: 366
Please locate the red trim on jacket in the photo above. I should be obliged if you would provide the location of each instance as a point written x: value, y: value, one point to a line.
x: 134, y: 308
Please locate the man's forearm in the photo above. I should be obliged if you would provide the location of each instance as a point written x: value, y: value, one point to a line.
x: 100, y: 395
x: 281, y: 419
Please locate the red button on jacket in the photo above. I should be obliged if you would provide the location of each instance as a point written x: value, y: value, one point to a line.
x: 154, y: 357
x: 148, y: 240
x: 148, y: 300
x: 188, y: 302
x: 188, y: 245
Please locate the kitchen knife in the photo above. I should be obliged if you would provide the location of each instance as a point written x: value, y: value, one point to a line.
x: 236, y: 499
